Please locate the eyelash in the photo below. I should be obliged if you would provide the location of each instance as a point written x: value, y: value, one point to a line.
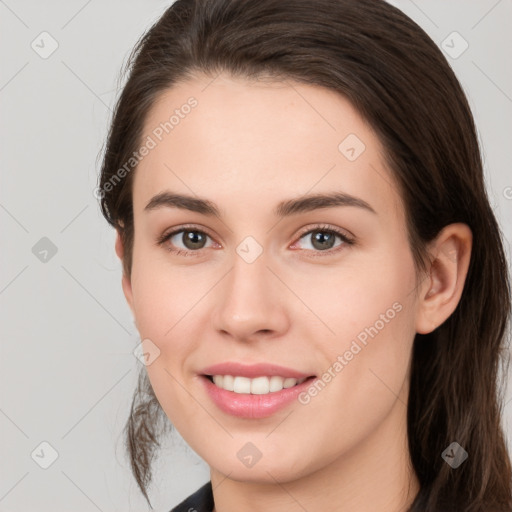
x: 322, y: 228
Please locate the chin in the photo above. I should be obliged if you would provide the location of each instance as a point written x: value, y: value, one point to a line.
x: 263, y: 471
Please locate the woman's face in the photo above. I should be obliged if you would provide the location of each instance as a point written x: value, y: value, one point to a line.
x: 266, y: 280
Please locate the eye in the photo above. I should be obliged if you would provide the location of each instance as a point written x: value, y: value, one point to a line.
x: 192, y: 241
x: 323, y: 239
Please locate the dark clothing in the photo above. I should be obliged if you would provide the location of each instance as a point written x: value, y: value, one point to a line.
x: 199, y: 501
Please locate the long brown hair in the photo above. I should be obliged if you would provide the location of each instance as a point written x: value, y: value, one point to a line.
x: 399, y: 81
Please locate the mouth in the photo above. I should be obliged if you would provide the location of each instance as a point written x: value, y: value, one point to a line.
x: 253, y: 398
x: 261, y: 385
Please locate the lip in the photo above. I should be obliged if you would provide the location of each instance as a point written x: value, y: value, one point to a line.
x: 244, y: 405
x: 252, y: 371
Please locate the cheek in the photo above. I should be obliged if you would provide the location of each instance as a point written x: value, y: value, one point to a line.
x: 361, y: 302
x: 165, y: 294
x: 373, y: 362
x: 371, y: 317
x: 365, y: 377
x: 167, y: 301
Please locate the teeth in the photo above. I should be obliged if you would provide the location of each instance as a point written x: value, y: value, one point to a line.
x: 256, y: 386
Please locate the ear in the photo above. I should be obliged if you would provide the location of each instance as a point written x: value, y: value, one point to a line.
x: 126, y: 283
x: 441, y: 291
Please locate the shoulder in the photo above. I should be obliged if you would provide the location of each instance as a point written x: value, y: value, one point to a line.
x: 200, y: 501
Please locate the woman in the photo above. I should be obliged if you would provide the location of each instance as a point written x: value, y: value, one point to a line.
x: 315, y: 271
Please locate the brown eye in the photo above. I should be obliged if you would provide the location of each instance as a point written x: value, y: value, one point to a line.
x: 184, y: 241
x: 323, y: 240
x: 193, y: 239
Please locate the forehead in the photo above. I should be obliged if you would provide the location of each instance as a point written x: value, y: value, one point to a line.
x: 257, y: 142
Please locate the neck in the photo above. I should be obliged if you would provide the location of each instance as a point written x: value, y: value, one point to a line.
x: 374, y: 475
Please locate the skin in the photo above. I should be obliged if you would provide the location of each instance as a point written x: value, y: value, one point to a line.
x: 247, y: 146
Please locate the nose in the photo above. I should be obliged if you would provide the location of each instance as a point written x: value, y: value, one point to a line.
x: 251, y: 302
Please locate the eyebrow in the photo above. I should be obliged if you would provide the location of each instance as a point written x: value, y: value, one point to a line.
x: 283, y: 209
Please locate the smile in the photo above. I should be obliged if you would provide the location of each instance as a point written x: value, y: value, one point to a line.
x: 256, y: 386
x: 243, y: 402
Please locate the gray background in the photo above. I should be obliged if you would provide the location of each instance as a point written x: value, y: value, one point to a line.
x: 67, y: 371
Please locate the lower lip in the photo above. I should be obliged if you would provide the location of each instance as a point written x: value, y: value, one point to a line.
x: 245, y: 405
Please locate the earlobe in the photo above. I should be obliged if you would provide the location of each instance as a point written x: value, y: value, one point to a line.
x: 125, y: 282
x: 442, y: 290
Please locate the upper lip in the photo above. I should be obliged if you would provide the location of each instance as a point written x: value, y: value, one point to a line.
x: 253, y: 370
